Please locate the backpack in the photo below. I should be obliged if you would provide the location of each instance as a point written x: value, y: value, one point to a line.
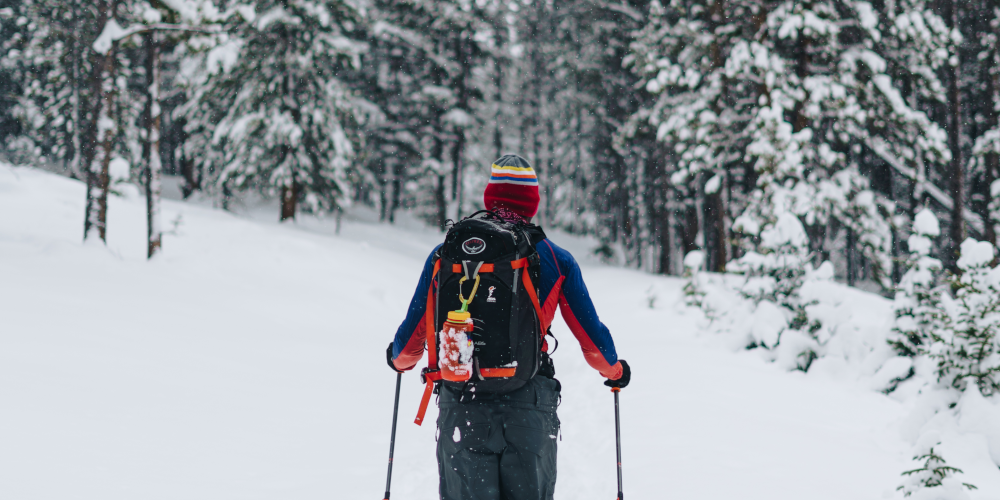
x: 506, y: 312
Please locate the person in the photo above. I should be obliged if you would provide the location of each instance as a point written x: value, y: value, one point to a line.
x: 504, y: 445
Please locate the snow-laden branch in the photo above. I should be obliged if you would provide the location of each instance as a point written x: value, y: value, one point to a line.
x: 921, y: 185
x: 113, y: 32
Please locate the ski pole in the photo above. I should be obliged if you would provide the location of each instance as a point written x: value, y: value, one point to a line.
x: 392, y: 439
x: 618, y: 441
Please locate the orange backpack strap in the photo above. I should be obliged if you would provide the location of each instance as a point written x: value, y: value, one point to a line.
x: 530, y: 287
x: 430, y: 374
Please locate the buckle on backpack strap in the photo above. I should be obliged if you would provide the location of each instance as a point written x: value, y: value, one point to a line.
x: 534, y: 259
x: 428, y: 374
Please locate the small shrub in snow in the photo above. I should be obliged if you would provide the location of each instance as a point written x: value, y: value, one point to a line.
x: 777, y: 272
x: 917, y: 305
x: 774, y: 277
x: 934, y: 472
x: 693, y: 292
x: 970, y: 350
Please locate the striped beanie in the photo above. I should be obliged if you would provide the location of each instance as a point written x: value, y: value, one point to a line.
x: 513, y: 185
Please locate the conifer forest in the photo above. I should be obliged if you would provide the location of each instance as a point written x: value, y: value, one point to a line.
x: 819, y: 179
x: 660, y: 127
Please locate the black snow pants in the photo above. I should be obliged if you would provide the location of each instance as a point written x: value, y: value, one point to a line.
x: 499, y: 447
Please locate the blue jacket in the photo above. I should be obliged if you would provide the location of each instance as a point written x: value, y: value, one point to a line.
x: 561, y: 285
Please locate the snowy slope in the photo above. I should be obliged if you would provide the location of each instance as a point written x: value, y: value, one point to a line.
x: 247, y: 362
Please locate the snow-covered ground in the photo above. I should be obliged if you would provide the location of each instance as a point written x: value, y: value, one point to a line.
x: 247, y: 362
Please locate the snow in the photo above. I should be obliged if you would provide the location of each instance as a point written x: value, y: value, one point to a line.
x: 925, y: 223
x: 788, y: 230
x: 455, y: 352
x: 713, y: 184
x: 975, y: 253
x: 247, y: 362
x: 111, y: 33
x: 119, y: 169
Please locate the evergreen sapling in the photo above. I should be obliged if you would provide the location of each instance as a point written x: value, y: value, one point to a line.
x: 933, y: 472
x: 971, y: 348
x: 919, y: 316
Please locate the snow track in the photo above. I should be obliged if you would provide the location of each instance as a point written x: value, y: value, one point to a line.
x: 247, y: 362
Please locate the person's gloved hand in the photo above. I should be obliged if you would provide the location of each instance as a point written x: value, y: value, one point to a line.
x: 623, y: 380
x: 388, y: 357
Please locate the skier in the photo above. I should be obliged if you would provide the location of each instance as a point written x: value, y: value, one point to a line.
x: 503, y: 445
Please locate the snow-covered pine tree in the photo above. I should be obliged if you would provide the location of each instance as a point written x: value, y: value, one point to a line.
x: 934, y: 472
x: 202, y: 57
x: 70, y: 111
x: 986, y: 151
x: 599, y: 100
x: 424, y: 73
x: 11, y: 32
x: 777, y: 272
x: 825, y: 93
x: 700, y: 112
x: 917, y: 305
x: 289, y: 125
x: 774, y: 278
x: 970, y: 353
x: 694, y: 292
x: 49, y: 58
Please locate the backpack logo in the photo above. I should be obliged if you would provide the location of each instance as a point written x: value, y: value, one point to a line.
x: 491, y: 298
x: 472, y: 246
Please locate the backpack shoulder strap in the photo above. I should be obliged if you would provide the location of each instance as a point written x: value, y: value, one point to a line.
x: 524, y: 262
x: 432, y: 373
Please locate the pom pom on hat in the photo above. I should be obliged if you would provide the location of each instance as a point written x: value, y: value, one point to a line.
x: 513, y: 185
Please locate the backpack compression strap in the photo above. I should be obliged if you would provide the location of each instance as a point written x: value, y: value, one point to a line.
x: 432, y: 373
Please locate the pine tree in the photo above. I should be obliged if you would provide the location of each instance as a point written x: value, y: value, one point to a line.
x: 700, y: 111
x: 934, y: 472
x: 12, y: 30
x: 970, y: 355
x: 289, y: 124
x: 694, y: 293
x: 425, y: 73
x: 71, y: 113
x: 835, y: 92
x: 917, y: 306
x: 777, y: 273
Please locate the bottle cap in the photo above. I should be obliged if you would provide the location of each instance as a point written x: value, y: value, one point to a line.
x: 458, y: 316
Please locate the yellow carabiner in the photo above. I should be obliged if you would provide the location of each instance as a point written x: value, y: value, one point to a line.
x: 475, y: 286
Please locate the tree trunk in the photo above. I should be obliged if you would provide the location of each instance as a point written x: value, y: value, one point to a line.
x: 458, y: 164
x: 77, y: 55
x: 850, y: 257
x: 992, y: 163
x: 497, y: 134
x: 98, y: 179
x: 442, y: 203
x: 289, y: 199
x: 956, y: 182
x: 397, y: 185
x: 154, y: 234
x: 992, y: 160
x: 715, y: 231
x: 663, y: 264
x: 689, y: 235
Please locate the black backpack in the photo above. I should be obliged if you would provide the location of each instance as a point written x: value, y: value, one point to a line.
x: 505, y: 309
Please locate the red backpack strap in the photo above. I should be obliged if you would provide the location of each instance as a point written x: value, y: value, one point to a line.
x: 430, y: 374
x: 530, y: 287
